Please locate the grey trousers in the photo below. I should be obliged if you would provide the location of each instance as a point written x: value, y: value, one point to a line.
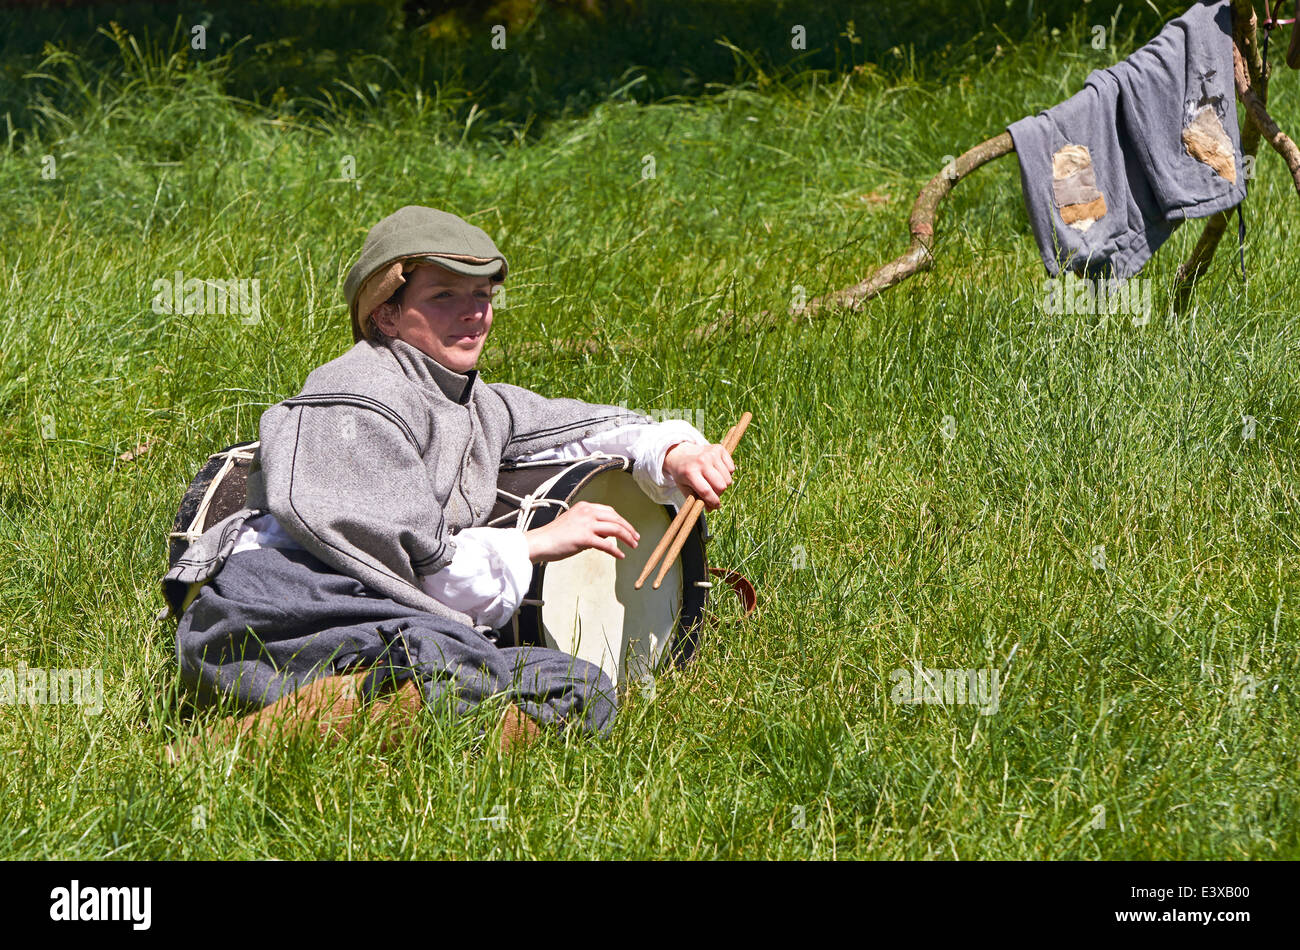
x: 1109, y: 173
x: 273, y: 620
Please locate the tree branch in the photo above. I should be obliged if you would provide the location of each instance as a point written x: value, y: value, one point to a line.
x: 1258, y: 115
x: 918, y: 255
x: 1248, y: 76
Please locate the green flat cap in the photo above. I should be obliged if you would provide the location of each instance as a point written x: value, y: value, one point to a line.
x: 411, y: 235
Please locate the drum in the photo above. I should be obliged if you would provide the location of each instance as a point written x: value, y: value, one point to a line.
x: 586, y: 605
x: 218, y: 490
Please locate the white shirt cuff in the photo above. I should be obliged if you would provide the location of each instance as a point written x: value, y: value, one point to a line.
x: 651, y: 445
x: 487, y: 577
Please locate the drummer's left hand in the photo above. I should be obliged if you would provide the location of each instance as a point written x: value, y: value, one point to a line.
x: 700, y: 470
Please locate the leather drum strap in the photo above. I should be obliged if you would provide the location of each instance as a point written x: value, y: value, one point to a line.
x: 741, y: 585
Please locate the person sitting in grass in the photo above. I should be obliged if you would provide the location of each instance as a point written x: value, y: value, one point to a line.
x: 361, y: 569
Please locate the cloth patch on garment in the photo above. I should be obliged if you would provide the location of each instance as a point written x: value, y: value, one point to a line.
x: 1074, y: 186
x: 1206, y: 141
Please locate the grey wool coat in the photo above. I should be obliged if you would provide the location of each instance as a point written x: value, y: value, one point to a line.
x: 381, y: 459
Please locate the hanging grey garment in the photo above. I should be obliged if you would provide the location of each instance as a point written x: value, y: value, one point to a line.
x: 274, y: 620
x: 381, y: 458
x: 1109, y: 174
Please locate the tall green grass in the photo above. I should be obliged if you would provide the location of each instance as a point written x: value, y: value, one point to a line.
x: 1147, y: 709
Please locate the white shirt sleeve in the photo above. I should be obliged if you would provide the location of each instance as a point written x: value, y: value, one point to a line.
x: 645, y: 444
x: 264, y: 531
x: 490, y: 571
x: 487, y: 577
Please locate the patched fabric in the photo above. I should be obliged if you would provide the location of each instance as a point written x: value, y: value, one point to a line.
x: 1165, y: 88
x: 1074, y: 186
x: 1108, y: 174
x: 1071, y: 231
x: 1206, y: 141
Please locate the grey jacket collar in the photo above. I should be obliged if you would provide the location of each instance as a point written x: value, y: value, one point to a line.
x: 425, y: 370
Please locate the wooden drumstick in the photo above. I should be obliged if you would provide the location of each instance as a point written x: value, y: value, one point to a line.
x: 671, y: 533
x: 729, y: 443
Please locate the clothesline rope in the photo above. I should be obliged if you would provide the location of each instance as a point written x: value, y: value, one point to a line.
x: 1271, y: 21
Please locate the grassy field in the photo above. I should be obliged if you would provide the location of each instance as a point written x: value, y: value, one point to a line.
x: 1147, y: 706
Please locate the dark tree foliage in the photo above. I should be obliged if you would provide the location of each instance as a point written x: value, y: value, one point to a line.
x: 561, y: 56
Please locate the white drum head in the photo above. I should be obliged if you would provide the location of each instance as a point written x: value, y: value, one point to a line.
x: 591, y: 609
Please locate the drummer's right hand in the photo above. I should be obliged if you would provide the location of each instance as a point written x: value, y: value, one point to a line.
x: 582, y: 527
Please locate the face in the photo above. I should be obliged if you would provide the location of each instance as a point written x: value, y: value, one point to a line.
x: 443, y: 314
